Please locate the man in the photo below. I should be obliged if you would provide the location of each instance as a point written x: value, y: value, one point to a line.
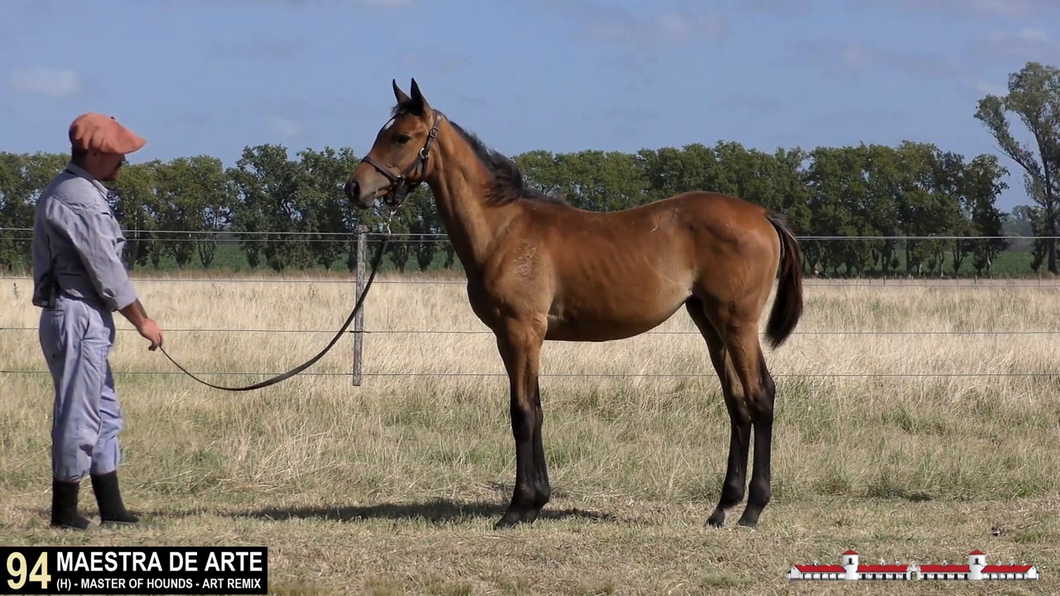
x: 79, y: 281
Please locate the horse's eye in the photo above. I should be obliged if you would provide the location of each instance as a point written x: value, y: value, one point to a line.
x: 403, y: 138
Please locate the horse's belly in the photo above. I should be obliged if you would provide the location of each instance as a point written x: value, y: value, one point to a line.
x: 580, y: 330
x: 602, y: 320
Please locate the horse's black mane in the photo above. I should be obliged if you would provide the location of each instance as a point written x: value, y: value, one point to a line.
x: 508, y: 183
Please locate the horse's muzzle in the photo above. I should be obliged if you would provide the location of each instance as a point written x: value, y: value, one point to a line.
x: 352, y: 190
x: 358, y: 195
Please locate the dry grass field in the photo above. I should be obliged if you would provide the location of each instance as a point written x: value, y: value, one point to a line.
x: 906, y: 429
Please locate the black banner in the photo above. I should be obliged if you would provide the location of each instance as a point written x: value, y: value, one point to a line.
x: 133, y: 570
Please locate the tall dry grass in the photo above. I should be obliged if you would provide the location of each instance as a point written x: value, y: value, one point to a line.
x: 902, y: 395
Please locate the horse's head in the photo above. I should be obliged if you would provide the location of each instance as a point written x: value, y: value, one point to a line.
x: 397, y: 162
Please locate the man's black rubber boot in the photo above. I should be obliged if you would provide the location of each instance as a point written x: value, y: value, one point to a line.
x: 108, y: 495
x: 64, y: 506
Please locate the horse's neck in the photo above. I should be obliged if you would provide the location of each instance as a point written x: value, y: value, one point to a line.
x: 460, y: 196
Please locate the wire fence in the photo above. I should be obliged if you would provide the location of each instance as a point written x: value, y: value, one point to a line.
x: 231, y: 235
x: 581, y: 374
x: 189, y: 255
x: 361, y: 240
x: 649, y: 333
x: 1036, y: 282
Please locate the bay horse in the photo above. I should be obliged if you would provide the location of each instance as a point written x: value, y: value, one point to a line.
x: 540, y: 269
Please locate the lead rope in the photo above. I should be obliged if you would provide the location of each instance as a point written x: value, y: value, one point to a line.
x: 294, y: 371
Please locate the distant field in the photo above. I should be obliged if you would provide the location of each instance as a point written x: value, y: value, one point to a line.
x: 910, y: 422
x: 229, y: 258
x: 1012, y: 263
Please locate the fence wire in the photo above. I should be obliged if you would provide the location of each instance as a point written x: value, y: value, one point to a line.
x: 343, y: 277
x: 649, y: 333
x: 809, y: 282
x: 463, y: 374
x: 575, y: 375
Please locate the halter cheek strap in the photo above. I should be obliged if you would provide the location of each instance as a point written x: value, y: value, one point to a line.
x: 401, y: 185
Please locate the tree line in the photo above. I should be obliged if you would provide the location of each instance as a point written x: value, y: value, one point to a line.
x: 282, y: 212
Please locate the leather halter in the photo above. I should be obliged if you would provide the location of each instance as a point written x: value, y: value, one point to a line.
x: 401, y: 186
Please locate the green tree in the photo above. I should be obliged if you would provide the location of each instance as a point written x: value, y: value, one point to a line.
x: 269, y: 205
x: 192, y: 201
x: 982, y: 184
x: 136, y: 206
x: 1034, y: 98
x: 22, y: 178
x: 327, y: 210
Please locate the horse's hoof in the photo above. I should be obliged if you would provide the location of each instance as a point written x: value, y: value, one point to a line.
x: 749, y: 519
x: 510, y: 519
x: 514, y: 517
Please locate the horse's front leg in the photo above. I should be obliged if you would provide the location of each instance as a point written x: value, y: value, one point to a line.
x: 520, y: 347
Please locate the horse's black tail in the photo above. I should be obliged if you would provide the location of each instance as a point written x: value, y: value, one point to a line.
x: 787, y: 306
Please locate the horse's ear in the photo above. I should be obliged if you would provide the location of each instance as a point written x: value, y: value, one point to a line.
x: 401, y: 96
x: 419, y: 102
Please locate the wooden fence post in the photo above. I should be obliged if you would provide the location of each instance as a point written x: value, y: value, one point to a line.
x: 358, y: 320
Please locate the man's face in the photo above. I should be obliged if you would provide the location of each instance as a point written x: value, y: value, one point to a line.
x: 111, y: 163
x: 105, y: 166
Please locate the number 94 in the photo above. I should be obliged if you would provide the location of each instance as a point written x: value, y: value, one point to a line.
x: 16, y: 567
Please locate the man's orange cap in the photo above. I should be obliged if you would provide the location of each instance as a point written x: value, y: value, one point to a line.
x: 96, y: 132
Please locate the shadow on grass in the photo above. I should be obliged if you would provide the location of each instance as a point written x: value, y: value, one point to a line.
x: 439, y: 511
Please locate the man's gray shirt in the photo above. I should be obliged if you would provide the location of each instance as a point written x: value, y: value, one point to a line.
x: 77, y: 240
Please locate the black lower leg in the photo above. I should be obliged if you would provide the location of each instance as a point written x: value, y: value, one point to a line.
x: 542, y: 486
x: 524, y: 493
x: 108, y: 496
x: 732, y: 489
x: 520, y: 348
x: 64, y: 506
x: 760, y: 491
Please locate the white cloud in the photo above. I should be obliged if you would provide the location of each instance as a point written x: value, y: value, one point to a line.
x: 1027, y: 43
x: 988, y: 88
x: 982, y: 8
x: 685, y: 26
x: 385, y: 3
x: 1011, y: 8
x: 842, y: 58
x: 46, y: 81
x: 1036, y: 35
x: 284, y: 126
x: 436, y: 59
x: 617, y: 26
x: 859, y: 57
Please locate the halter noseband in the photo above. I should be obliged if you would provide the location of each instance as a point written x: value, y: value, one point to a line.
x: 401, y: 186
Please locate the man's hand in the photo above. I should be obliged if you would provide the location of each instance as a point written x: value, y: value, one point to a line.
x: 150, y: 331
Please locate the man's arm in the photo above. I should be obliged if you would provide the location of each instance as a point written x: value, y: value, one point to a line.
x: 135, y: 313
x: 94, y: 235
x: 149, y: 329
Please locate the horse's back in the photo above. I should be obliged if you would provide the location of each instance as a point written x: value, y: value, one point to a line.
x: 693, y: 205
x: 681, y: 231
x: 719, y: 224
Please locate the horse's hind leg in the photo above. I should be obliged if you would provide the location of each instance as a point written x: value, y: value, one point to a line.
x: 762, y: 419
x: 732, y: 488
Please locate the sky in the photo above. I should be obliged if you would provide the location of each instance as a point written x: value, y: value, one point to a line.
x: 213, y: 76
